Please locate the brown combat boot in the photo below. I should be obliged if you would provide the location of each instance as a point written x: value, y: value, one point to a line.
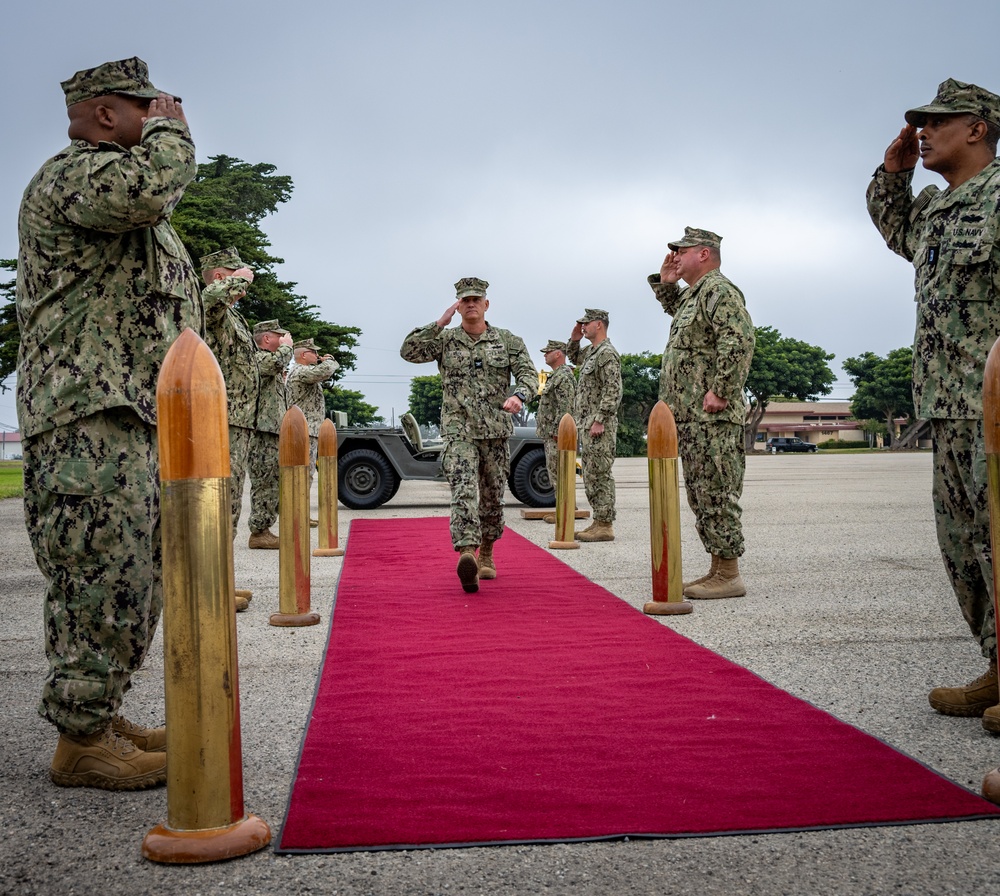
x: 991, y: 719
x: 242, y: 603
x: 468, y: 569
x: 487, y: 568
x: 549, y: 518
x: 991, y: 786
x: 597, y: 531
x: 727, y: 582
x: 149, y: 740
x: 106, y: 760
x: 264, y: 540
x: 707, y: 576
x: 971, y: 700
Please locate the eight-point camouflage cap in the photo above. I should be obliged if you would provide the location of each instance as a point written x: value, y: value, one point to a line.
x: 470, y: 286
x: 127, y: 76
x: 268, y: 326
x: 305, y: 343
x: 694, y: 236
x: 954, y: 97
x: 225, y: 258
x: 590, y: 314
x: 554, y: 345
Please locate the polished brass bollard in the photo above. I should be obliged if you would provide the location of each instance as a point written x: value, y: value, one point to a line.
x: 566, y: 487
x: 326, y: 471
x: 664, y: 515
x: 206, y: 821
x: 991, y: 441
x: 293, y: 508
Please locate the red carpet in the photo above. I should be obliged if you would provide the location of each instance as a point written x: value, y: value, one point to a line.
x: 543, y: 708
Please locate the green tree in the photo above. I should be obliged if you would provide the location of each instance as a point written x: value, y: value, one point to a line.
x: 425, y: 399
x: 640, y: 392
x: 783, y: 366
x: 10, y: 336
x: 883, y: 387
x: 224, y: 206
x: 359, y: 412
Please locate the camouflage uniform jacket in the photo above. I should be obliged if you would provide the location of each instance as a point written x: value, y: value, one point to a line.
x: 230, y: 338
x: 953, y: 239
x: 557, y: 398
x: 104, y: 284
x: 475, y: 377
x: 273, y: 400
x: 599, y: 387
x: 305, y: 388
x: 710, y: 348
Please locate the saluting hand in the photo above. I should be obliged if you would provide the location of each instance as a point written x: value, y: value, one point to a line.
x: 445, y: 318
x: 668, y: 270
x: 904, y: 152
x: 577, y: 333
x: 165, y: 106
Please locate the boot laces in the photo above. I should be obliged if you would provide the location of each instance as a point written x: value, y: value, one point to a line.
x: 118, y: 743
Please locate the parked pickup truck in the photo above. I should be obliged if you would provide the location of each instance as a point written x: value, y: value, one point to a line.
x: 372, y: 461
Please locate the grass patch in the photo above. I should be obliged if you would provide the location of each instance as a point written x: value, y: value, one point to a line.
x: 11, y: 479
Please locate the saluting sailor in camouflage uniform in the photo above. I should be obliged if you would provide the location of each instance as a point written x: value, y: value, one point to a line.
x: 705, y: 366
x: 304, y: 388
x: 598, y: 396
x: 104, y: 286
x: 274, y: 351
x: 952, y: 236
x: 229, y: 337
x: 477, y: 362
x: 557, y: 399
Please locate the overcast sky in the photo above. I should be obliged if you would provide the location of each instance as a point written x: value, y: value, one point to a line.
x: 552, y: 148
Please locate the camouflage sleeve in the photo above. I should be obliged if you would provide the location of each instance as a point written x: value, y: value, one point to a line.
x: 734, y: 344
x: 566, y: 396
x: 525, y: 375
x: 575, y: 353
x: 669, y: 295
x: 114, y: 190
x: 315, y: 373
x: 610, y: 366
x: 272, y: 363
x: 423, y: 344
x: 220, y: 294
x: 895, y: 212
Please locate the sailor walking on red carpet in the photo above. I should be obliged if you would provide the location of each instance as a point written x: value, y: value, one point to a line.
x: 477, y: 363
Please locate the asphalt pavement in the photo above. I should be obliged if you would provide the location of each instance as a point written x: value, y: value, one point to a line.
x: 847, y: 607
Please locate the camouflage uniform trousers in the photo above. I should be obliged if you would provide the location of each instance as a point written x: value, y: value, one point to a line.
x: 92, y: 510
x: 265, y: 474
x: 597, y: 455
x: 714, y: 463
x: 477, y: 472
x: 961, y: 514
x: 239, y: 460
x: 552, y: 460
x: 313, y: 456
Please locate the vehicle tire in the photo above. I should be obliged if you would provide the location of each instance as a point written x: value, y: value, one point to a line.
x: 530, y: 480
x: 365, y: 479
